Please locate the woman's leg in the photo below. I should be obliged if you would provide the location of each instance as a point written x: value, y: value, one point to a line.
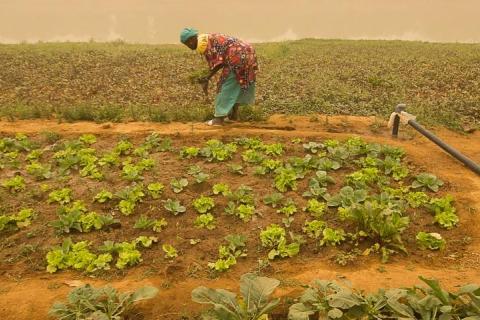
x: 227, y: 97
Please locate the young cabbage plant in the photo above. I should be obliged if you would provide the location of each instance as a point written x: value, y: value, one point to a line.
x: 254, y: 303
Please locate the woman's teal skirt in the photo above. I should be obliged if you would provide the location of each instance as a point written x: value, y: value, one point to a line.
x: 230, y: 94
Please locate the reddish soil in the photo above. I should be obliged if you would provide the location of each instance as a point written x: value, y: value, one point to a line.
x: 27, y: 291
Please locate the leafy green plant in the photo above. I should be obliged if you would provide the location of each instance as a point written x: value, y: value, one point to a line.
x: 76, y: 217
x: 21, y: 219
x: 103, y: 196
x: 417, y: 199
x: 273, y: 199
x: 126, y: 207
x: 15, y: 184
x: 243, y: 195
x: 289, y: 208
x: 444, y: 211
x: 254, y: 304
x: 383, y: 222
x: 245, y: 212
x: 331, y: 301
x: 123, y: 147
x: 313, y: 147
x: 130, y: 197
x: 88, y: 138
x: 394, y: 167
x: 156, y: 225
x: 236, y: 168
x: 109, y: 159
x: 273, y: 237
x: 221, y: 188
x: 274, y: 149
x: 170, y: 251
x: 326, y: 164
x: 107, y: 303
x: 61, y: 196
x: 203, y: 204
x: 432, y: 241
x: 427, y: 180
x: 363, y: 178
x: 206, y: 220
x: 178, y: 184
x: 155, y: 189
x: 332, y: 237
x: 314, y: 228
x: 189, y: 152
x: 174, y: 206
x: 315, y: 190
x: 76, y: 256
x: 315, y: 208
x: 346, y: 197
x: 39, y: 171
x: 227, y: 255
x: 285, y: 179
x: 215, y: 150
x: 252, y: 156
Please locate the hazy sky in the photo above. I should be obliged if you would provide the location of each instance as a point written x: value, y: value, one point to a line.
x: 159, y: 21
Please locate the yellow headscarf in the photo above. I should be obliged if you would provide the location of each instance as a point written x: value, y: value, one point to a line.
x: 202, y: 43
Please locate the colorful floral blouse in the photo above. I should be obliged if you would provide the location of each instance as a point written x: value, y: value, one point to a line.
x: 238, y: 56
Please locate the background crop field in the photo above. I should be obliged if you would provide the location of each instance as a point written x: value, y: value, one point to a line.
x: 117, y: 81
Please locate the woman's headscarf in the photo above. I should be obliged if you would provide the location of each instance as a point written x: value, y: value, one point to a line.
x: 187, y: 33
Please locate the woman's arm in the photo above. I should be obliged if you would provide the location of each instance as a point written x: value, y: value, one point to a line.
x: 204, y: 81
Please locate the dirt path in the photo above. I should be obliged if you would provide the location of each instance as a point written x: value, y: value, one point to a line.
x: 31, y: 298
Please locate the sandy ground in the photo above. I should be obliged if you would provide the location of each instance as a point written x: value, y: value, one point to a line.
x: 30, y: 298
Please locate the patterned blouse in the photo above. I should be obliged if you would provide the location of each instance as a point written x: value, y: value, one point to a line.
x: 238, y: 56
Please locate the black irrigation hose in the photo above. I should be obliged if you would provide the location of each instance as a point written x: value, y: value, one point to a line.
x: 452, y: 151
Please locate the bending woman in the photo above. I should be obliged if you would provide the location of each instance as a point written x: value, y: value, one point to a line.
x: 239, y: 66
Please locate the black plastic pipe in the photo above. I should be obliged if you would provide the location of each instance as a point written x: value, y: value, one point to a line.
x: 452, y: 151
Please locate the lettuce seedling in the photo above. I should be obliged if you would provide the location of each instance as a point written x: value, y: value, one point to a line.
x: 444, y: 211
x: 221, y: 188
x: 206, y: 220
x: 61, y: 196
x: 315, y: 208
x: 103, y: 196
x: 15, y: 184
x: 189, y: 152
x: 123, y: 147
x: 39, y: 171
x: 285, y: 179
x: 332, y: 237
x: 203, y: 204
x: 432, y: 241
x: 155, y: 189
x: 88, y: 139
x: 252, y: 156
x: 417, y: 199
x: 314, y: 228
x: 170, y: 251
x: 274, y: 149
x: 289, y: 208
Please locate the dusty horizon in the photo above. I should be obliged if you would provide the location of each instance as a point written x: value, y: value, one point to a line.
x: 158, y: 22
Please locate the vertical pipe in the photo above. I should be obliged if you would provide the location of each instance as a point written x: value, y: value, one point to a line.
x: 396, y: 121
